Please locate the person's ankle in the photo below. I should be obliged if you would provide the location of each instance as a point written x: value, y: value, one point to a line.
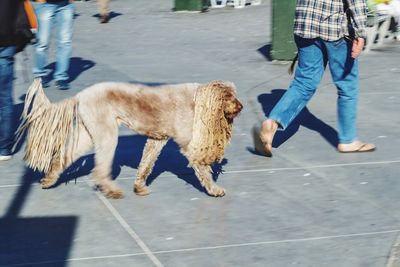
x: 271, y: 124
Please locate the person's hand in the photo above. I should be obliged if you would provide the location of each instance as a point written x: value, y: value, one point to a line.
x: 358, y: 45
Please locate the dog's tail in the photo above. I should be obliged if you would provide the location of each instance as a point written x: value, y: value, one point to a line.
x: 51, y: 128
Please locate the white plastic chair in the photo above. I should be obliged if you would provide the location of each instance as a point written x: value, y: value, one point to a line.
x: 383, y: 30
x: 377, y: 31
x: 237, y: 3
x: 215, y: 4
x: 234, y: 3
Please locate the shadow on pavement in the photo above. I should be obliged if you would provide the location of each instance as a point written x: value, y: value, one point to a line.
x: 39, y: 241
x: 129, y: 152
x: 17, y: 111
x: 77, y: 66
x: 266, y: 51
x: 305, y: 118
x: 111, y: 15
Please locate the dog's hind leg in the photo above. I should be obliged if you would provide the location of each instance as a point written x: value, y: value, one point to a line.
x: 203, y: 173
x: 151, y: 151
x: 52, y: 176
x: 84, y: 143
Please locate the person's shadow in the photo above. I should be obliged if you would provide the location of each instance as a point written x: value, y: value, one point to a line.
x: 129, y: 153
x: 305, y: 118
x: 111, y: 15
x: 77, y: 66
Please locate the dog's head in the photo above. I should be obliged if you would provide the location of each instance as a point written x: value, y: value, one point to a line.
x: 231, y: 105
x: 215, y: 108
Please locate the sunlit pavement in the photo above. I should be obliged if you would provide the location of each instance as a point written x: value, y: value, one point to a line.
x: 308, y: 205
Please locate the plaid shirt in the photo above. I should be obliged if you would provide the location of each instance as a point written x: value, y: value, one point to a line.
x: 326, y: 19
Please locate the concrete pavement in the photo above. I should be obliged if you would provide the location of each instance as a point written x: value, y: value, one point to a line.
x: 306, y: 206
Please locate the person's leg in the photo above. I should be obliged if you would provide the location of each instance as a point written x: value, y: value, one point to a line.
x: 6, y: 101
x: 45, y: 17
x: 396, y: 15
x: 104, y: 10
x: 344, y: 70
x: 311, y: 66
x: 64, y: 19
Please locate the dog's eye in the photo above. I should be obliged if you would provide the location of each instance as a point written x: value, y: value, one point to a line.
x: 228, y: 95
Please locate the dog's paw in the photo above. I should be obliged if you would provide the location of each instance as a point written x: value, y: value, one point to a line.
x: 115, y: 194
x: 141, y: 191
x: 216, y: 191
x: 47, y: 182
x: 110, y: 190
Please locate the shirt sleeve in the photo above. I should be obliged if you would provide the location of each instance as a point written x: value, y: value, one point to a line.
x: 359, y: 8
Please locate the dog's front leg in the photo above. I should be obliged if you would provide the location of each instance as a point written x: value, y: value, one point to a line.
x: 151, y: 151
x: 105, y: 184
x: 104, y: 148
x: 203, y: 173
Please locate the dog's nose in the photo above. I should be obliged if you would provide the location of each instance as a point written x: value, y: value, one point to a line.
x: 239, y: 106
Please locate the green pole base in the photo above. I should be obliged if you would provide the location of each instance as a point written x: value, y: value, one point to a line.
x: 190, y: 5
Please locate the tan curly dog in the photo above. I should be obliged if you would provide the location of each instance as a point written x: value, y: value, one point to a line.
x: 198, y: 117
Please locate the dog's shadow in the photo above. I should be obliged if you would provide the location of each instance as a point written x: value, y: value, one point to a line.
x: 129, y: 152
x: 305, y: 118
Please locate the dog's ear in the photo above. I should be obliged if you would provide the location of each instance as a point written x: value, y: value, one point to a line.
x: 231, y: 105
x: 212, y: 130
x: 225, y: 86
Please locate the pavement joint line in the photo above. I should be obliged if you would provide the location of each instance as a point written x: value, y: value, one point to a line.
x: 77, y: 259
x: 258, y: 170
x: 394, y: 256
x: 126, y: 227
x: 316, y: 166
x: 296, y: 240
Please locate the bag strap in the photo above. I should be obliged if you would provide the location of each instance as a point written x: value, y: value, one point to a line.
x: 30, y: 13
x: 350, y: 20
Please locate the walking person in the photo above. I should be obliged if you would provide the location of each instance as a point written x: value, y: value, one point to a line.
x: 8, y: 42
x: 51, y: 14
x: 104, y: 10
x: 321, y: 32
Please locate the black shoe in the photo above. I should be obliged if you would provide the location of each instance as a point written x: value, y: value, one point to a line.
x: 45, y: 82
x: 104, y: 18
x: 62, y: 85
x: 5, y: 155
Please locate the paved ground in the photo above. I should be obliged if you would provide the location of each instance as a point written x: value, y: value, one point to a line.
x: 306, y: 206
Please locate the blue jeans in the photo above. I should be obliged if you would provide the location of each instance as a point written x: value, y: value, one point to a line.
x: 314, y: 55
x: 6, y: 100
x: 60, y: 15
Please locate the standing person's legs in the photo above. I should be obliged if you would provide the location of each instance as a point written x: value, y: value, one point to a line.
x: 344, y: 70
x: 311, y: 67
x: 104, y: 10
x: 45, y: 15
x: 6, y: 101
x: 396, y: 13
x: 64, y: 20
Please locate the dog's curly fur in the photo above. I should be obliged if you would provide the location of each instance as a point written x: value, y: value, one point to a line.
x: 198, y: 117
